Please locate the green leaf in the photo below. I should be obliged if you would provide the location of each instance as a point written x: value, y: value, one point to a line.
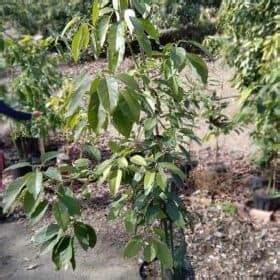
x: 12, y: 192
x: 149, y: 179
x: 63, y: 252
x: 178, y: 57
x: 174, y: 169
x: 150, y: 253
x: 132, y: 108
x: 108, y: 93
x: 82, y: 85
x: 46, y: 233
x: 133, y: 247
x: 130, y: 221
x: 128, y: 81
x: 122, y: 162
x: 29, y: 203
x: 102, y: 29
x: 76, y: 45
x: 121, y: 121
x: 49, y: 156
x: 82, y: 163
x: 35, y: 183
x: 48, y: 245
x: 144, y: 43
x: 96, y: 113
x: 139, y: 160
x: 199, y: 65
x: 85, y: 234
x: 150, y: 29
x: 129, y: 15
x: 71, y: 203
x: 39, y: 212
x: 115, y: 182
x: 61, y: 214
x: 80, y: 41
x: 53, y: 173
x: 150, y: 124
x: 116, y: 45
x: 95, y: 11
x: 172, y: 211
x: 205, y: 50
x: 69, y: 25
x: 161, y: 180
x: 142, y: 7
x: 93, y: 152
x: 18, y: 165
x: 163, y: 253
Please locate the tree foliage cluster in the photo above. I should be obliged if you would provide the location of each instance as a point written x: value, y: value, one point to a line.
x: 250, y: 42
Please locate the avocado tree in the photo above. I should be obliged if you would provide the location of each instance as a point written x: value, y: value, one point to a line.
x: 153, y: 112
x: 250, y: 43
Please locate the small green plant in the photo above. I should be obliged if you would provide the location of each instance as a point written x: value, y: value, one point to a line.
x: 36, y: 82
x: 228, y: 207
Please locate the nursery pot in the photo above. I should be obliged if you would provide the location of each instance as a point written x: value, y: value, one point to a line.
x: 28, y: 148
x: 261, y: 198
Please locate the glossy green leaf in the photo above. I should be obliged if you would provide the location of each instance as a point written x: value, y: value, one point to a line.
x: 18, y: 165
x: 12, y: 192
x: 35, y: 183
x: 150, y: 253
x: 95, y: 11
x: 62, y: 252
x: 132, y: 107
x: 121, y: 121
x: 103, y: 26
x: 115, y: 182
x: 144, y: 43
x: 108, y: 93
x: 163, y: 253
x: 139, y: 160
x: 29, y: 203
x: 61, y: 214
x: 178, y: 57
x: 49, y: 156
x: 150, y: 29
x: 173, y: 168
x: 38, y: 213
x: 76, y: 45
x: 49, y: 244
x: 85, y: 234
x: 71, y: 203
x: 161, y: 180
x: 116, y: 45
x: 149, y: 179
x: 122, y: 162
x: 93, y: 152
x: 46, y: 233
x: 81, y: 87
x: 128, y: 80
x: 130, y: 221
x: 199, y: 65
x: 53, y: 173
x: 133, y: 247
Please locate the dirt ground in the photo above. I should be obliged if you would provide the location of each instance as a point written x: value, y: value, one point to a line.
x: 223, y: 245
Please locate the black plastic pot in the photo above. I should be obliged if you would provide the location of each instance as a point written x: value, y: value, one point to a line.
x: 186, y: 273
x: 264, y: 202
x: 28, y: 147
x: 261, y: 199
